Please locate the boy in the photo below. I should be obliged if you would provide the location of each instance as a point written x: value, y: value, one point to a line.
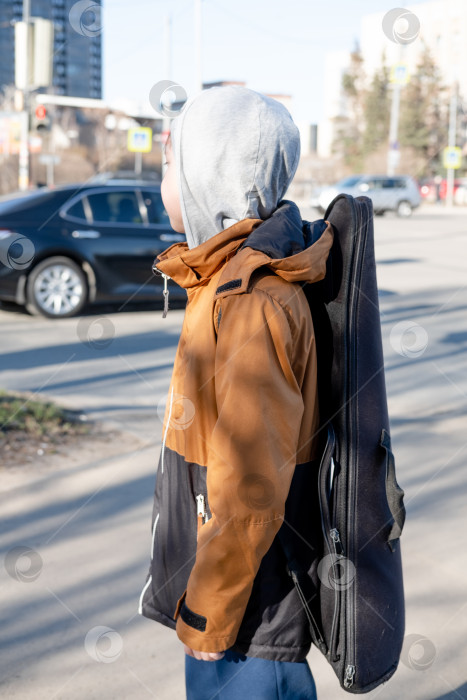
x: 240, y: 435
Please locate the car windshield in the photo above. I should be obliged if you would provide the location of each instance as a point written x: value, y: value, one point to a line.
x: 348, y: 181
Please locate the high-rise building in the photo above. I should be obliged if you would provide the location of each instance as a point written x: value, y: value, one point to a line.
x: 77, y: 57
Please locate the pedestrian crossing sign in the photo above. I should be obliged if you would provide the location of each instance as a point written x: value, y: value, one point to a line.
x: 400, y: 74
x: 140, y: 140
x: 452, y: 157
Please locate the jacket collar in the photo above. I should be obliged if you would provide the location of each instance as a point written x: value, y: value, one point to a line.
x: 294, y: 249
x: 189, y: 267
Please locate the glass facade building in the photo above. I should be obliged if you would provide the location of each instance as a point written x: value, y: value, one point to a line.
x: 77, y: 57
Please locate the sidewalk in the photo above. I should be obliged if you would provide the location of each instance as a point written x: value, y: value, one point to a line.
x: 90, y: 527
x: 74, y: 631
x: 70, y: 629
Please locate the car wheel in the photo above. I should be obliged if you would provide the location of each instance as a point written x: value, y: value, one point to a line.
x: 56, y: 288
x: 404, y: 209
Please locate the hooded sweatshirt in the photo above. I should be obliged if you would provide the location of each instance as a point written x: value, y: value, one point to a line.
x: 236, y: 152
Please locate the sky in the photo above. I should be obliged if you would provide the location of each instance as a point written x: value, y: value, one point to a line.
x: 275, y: 46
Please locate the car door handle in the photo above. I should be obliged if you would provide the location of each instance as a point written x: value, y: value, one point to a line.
x: 86, y: 234
x: 172, y: 237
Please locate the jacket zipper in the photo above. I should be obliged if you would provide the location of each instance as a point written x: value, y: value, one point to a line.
x: 201, y: 512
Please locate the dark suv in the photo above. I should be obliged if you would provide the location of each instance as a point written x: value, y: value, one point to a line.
x: 62, y: 248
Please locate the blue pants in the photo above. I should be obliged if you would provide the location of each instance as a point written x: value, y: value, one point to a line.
x: 239, y: 677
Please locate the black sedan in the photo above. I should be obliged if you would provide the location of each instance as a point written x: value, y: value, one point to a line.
x: 63, y: 248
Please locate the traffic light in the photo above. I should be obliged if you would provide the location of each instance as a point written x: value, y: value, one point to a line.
x: 40, y: 119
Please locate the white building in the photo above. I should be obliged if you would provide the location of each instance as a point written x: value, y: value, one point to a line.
x: 336, y: 63
x: 443, y: 28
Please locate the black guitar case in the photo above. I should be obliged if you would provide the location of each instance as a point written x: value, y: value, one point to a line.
x: 357, y: 613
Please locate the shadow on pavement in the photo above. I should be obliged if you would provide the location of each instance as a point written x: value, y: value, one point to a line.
x: 459, y: 693
x: 95, y: 551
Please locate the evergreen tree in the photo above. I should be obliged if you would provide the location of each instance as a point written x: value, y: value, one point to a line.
x: 362, y: 132
x: 349, y: 128
x: 423, y: 124
x: 377, y: 110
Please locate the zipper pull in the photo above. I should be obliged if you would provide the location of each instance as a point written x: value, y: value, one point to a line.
x: 349, y: 676
x: 201, y: 512
x: 165, y: 291
x: 336, y: 538
x: 166, y: 295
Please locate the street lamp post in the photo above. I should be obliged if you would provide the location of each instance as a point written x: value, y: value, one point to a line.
x: 394, y: 153
x: 452, y: 144
x: 168, y: 74
x: 23, y: 170
x: 198, y: 61
x: 399, y: 77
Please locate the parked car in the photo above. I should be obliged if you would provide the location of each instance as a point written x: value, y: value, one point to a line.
x: 460, y: 193
x: 63, y: 248
x: 399, y: 193
x: 125, y: 176
x: 429, y: 189
x: 443, y: 187
x: 433, y: 190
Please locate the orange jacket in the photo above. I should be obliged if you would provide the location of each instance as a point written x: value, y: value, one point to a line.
x: 242, y: 412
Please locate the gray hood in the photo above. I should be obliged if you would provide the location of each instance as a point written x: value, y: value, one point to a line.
x: 236, y: 152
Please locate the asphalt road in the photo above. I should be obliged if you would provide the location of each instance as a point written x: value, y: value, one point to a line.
x: 88, y: 521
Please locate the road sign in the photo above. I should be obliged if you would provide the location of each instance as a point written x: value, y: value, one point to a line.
x: 452, y: 157
x: 140, y: 140
x: 400, y: 74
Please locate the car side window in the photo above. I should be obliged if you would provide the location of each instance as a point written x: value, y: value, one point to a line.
x: 155, y: 208
x: 77, y: 210
x: 393, y: 183
x: 115, y: 207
